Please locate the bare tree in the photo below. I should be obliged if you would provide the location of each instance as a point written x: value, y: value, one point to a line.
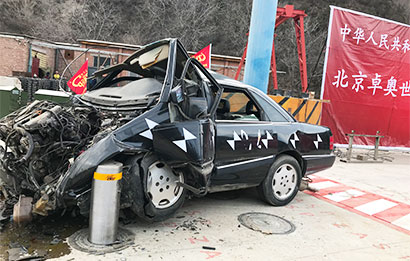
x: 233, y: 25
x: 190, y: 21
x: 94, y: 19
x: 18, y: 14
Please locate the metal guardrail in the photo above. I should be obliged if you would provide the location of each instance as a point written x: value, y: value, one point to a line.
x: 350, y: 147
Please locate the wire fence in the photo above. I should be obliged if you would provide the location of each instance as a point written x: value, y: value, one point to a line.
x: 31, y: 85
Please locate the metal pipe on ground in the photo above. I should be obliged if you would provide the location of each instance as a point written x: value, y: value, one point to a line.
x: 105, y: 200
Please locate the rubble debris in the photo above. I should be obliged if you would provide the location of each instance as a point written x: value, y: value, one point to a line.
x: 16, y: 253
x: 42, y: 206
x: 55, y: 240
x: 193, y: 224
x: 22, y: 210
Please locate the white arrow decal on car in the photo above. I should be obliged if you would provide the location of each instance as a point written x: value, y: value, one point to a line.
x: 294, y: 140
x: 316, y: 142
x: 182, y: 143
x: 148, y: 133
x: 268, y: 138
x: 235, y: 138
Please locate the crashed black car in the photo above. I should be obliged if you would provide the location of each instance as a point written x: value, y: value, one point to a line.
x: 176, y: 127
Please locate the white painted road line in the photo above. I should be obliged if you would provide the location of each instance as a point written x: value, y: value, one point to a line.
x: 376, y: 206
x: 324, y: 184
x: 403, y: 222
x: 340, y: 196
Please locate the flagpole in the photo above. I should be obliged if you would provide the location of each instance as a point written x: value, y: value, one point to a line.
x: 85, y: 89
x: 210, y: 55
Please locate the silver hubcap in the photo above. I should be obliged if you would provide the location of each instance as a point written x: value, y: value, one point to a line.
x: 161, y: 185
x: 284, y: 181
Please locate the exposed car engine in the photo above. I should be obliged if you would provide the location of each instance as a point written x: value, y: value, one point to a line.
x: 42, y: 139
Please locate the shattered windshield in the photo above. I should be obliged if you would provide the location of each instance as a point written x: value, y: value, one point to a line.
x: 136, y: 82
x: 148, y: 62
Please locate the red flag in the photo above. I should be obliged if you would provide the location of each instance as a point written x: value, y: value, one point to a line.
x: 78, y: 83
x: 204, y: 57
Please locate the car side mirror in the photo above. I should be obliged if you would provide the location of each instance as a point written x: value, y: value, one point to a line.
x: 177, y: 95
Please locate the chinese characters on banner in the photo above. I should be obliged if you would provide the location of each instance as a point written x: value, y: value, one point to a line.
x: 366, y: 77
x: 204, y: 57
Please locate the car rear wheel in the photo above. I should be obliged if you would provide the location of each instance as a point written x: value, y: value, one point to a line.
x: 163, y: 194
x: 282, y: 182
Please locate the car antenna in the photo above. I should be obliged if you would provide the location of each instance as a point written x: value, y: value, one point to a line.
x: 61, y: 78
x: 65, y: 69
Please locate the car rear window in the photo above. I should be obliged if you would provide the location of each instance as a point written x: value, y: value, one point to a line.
x: 271, y: 112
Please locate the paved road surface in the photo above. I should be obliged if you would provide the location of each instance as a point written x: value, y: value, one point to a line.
x: 326, y: 229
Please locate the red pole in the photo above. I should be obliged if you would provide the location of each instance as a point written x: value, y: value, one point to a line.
x: 273, y: 67
x: 238, y: 71
x: 300, y: 41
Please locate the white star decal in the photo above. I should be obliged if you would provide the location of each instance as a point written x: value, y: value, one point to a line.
x: 316, y: 142
x: 148, y: 133
x: 235, y: 138
x: 182, y: 143
x: 268, y: 138
x: 294, y: 140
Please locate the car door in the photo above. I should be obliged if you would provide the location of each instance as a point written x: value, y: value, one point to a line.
x: 189, y: 137
x: 246, y: 141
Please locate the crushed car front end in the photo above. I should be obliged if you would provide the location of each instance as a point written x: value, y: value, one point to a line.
x: 51, y: 151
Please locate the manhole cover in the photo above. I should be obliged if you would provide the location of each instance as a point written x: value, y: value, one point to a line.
x: 266, y: 223
x: 79, y: 241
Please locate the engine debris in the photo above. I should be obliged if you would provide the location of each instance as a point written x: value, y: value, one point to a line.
x: 41, y: 141
x: 22, y: 210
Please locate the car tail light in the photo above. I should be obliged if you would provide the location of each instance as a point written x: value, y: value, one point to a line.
x: 331, y: 142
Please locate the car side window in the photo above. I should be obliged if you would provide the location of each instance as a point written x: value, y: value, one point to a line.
x: 194, y: 99
x: 270, y: 111
x: 236, y: 105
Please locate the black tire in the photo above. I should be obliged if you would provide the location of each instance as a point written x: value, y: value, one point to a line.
x: 288, y: 186
x: 152, y: 213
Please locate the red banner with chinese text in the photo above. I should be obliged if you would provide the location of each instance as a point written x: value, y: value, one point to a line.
x: 78, y: 83
x: 204, y: 57
x: 367, y: 78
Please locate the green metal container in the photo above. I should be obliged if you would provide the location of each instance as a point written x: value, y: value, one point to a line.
x: 50, y: 95
x: 12, y: 96
x: 24, y: 98
x: 10, y: 99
